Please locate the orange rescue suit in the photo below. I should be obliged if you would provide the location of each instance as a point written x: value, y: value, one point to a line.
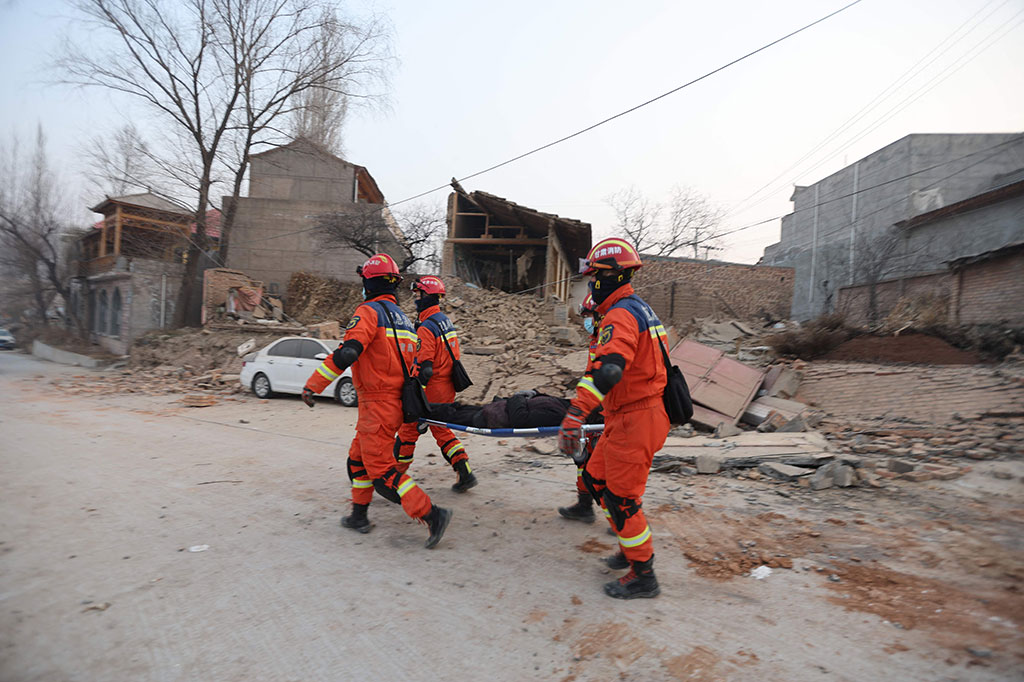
x: 636, y: 424
x: 378, y: 377
x: 433, y: 330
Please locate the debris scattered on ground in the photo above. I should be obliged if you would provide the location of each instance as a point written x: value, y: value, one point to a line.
x: 198, y: 548
x: 761, y: 572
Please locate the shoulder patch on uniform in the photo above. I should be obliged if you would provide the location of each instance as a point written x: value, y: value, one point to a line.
x: 606, y: 334
x: 353, y: 322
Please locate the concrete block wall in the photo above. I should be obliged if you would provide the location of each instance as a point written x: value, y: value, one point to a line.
x: 913, y: 175
x: 272, y: 240
x: 682, y: 290
x: 301, y: 172
x: 993, y: 292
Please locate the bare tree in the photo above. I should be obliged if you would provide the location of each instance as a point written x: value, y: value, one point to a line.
x: 120, y: 163
x: 692, y: 222
x: 32, y: 222
x: 220, y: 74
x: 636, y: 216
x: 416, y: 232
x: 882, y: 256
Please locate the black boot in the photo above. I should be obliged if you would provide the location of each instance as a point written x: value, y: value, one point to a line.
x: 437, y: 520
x: 616, y: 561
x: 467, y: 479
x: 583, y: 510
x: 639, y: 582
x: 357, y: 519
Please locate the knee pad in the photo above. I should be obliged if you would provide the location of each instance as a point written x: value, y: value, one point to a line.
x: 620, y: 508
x: 593, y: 485
x: 355, y: 469
x: 387, y: 485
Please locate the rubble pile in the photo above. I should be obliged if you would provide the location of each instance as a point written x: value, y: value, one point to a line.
x: 195, y: 351
x: 159, y: 380
x: 313, y: 298
x: 490, y: 318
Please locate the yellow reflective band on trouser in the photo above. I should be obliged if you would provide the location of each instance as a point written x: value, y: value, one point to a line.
x: 458, y: 447
x: 406, y: 487
x: 607, y: 514
x: 588, y: 384
x: 636, y: 540
x: 579, y: 471
x: 362, y: 483
x: 326, y: 372
x: 403, y: 460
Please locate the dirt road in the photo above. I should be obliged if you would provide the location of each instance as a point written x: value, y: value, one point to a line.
x: 101, y: 499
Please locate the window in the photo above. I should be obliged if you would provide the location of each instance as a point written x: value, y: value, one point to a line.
x: 101, y: 320
x: 115, y: 314
x: 288, y: 348
x: 310, y: 349
x: 274, y: 288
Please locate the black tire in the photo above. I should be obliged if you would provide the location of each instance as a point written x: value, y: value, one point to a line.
x: 261, y: 386
x: 345, y: 393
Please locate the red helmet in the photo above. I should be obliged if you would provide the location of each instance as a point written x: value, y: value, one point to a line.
x: 588, y: 307
x: 428, y: 284
x: 611, y: 254
x: 379, y: 265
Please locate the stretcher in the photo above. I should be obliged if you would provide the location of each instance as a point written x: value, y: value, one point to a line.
x: 536, y: 431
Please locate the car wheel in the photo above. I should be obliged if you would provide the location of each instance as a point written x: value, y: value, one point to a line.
x: 261, y: 386
x: 345, y: 393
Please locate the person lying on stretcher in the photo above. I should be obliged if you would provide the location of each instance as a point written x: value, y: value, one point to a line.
x: 523, y: 410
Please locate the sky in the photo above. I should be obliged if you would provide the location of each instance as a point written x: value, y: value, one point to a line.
x: 476, y: 84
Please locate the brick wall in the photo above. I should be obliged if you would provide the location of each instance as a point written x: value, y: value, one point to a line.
x: 682, y: 290
x: 992, y: 291
x: 853, y: 302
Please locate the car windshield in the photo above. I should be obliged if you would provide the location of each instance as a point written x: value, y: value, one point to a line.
x: 4, y: 332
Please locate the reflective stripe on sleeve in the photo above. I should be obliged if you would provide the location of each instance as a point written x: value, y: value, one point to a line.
x: 588, y: 384
x: 326, y: 372
x: 636, y: 540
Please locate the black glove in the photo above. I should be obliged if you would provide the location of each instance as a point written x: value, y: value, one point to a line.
x: 570, y: 433
x: 307, y: 397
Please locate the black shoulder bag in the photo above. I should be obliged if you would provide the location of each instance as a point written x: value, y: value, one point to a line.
x: 460, y: 377
x: 678, y: 404
x: 414, y: 400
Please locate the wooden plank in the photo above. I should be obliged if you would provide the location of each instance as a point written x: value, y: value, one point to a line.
x: 505, y: 241
x: 717, y: 382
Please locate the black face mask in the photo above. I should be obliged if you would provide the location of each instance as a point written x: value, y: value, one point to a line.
x: 424, y: 302
x: 375, y: 286
x: 605, y: 285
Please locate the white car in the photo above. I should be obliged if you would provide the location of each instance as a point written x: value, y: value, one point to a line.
x: 284, y: 366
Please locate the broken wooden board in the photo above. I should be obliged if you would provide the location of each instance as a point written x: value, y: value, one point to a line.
x: 715, y: 381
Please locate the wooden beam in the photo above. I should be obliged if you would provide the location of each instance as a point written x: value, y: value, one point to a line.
x: 103, y: 239
x: 117, y: 231
x: 494, y: 242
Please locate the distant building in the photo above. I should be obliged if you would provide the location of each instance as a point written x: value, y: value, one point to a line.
x: 895, y: 222
x: 494, y: 242
x: 289, y: 186
x: 129, y: 267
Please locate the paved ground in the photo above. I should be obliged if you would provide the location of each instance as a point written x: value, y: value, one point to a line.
x: 101, y: 497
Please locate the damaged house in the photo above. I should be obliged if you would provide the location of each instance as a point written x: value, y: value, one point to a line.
x: 494, y: 242
x: 129, y: 267
x: 274, y: 234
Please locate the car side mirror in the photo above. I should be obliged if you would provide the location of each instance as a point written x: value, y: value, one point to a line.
x: 320, y: 356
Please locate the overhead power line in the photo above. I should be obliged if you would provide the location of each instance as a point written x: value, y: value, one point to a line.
x: 599, y: 123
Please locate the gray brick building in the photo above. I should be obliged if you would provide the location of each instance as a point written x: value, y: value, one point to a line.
x: 902, y: 213
x: 289, y: 186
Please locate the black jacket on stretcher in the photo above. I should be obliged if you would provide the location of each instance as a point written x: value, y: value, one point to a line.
x: 517, y: 412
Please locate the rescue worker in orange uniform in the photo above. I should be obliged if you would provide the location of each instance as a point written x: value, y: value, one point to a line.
x: 371, y: 347
x: 628, y: 379
x: 583, y: 510
x: 433, y: 366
